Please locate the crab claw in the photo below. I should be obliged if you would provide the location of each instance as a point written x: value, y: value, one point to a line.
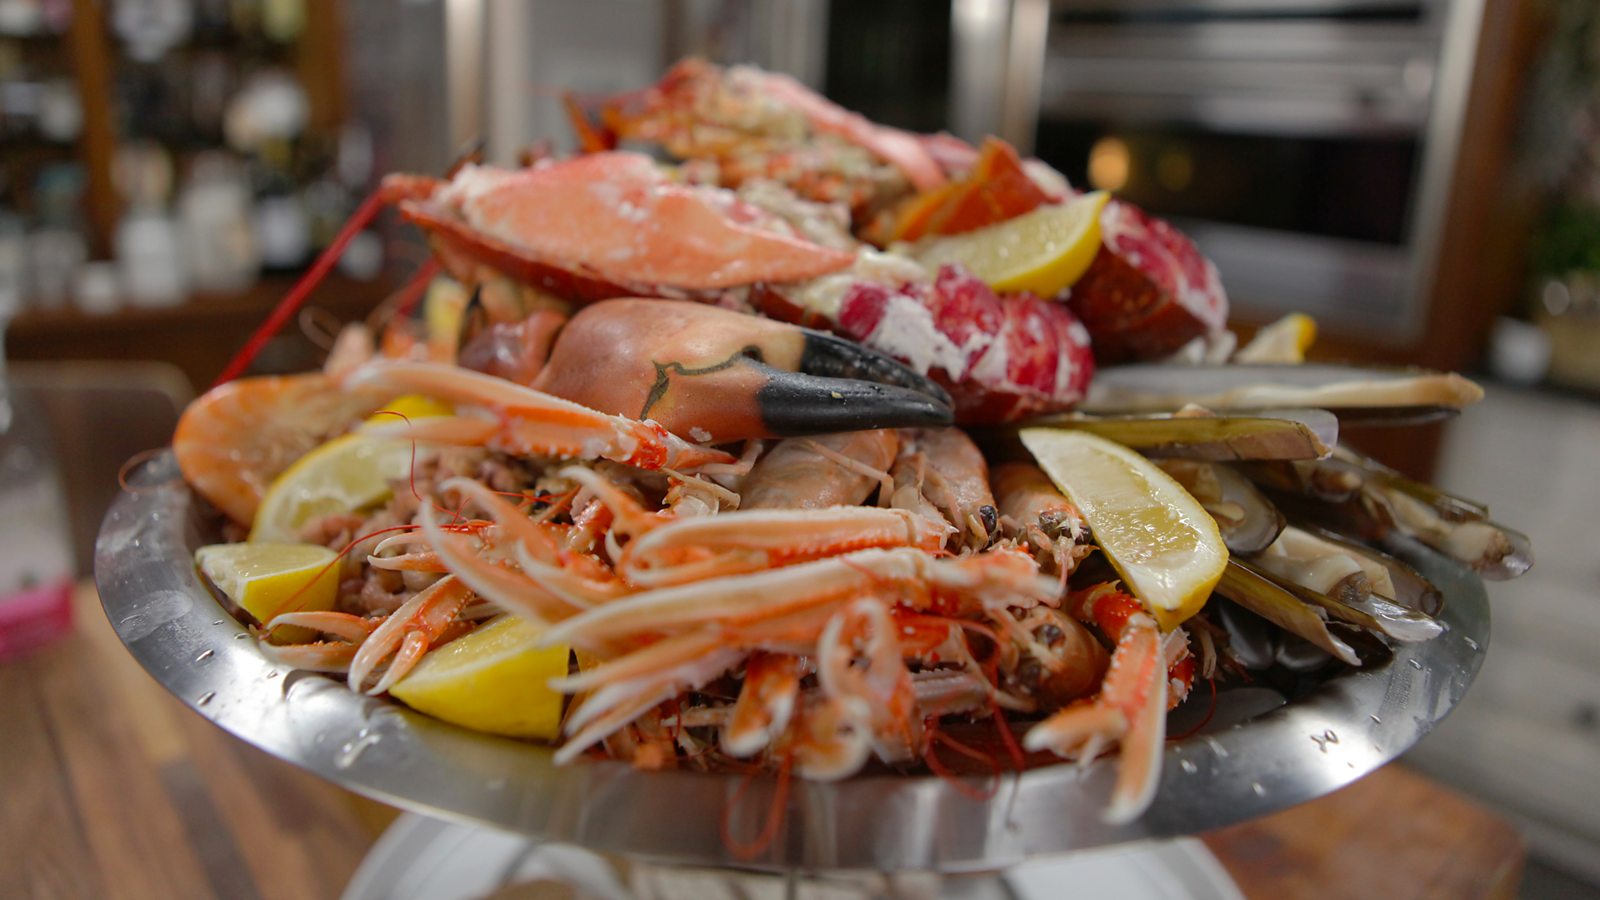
x: 713, y: 375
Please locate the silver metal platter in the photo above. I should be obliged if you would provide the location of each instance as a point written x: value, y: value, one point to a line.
x: 1256, y: 756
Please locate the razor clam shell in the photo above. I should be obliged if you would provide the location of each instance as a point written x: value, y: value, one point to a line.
x: 1397, y: 621
x: 1373, y: 394
x: 1290, y: 434
x: 1488, y: 548
x: 1378, y: 511
x: 1295, y: 434
x: 1330, y: 480
x: 1451, y: 506
x: 1262, y: 522
x: 1253, y: 590
x: 1372, y: 612
x: 1412, y: 590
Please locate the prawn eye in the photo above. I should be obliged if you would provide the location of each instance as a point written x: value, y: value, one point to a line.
x: 753, y: 353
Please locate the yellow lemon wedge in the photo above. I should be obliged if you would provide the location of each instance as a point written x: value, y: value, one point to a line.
x: 492, y: 680
x: 347, y: 474
x: 409, y: 406
x: 1162, y: 542
x: 1043, y: 251
x: 1284, y: 341
x: 268, y: 579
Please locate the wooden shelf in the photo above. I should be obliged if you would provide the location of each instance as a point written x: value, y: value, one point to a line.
x: 199, y: 336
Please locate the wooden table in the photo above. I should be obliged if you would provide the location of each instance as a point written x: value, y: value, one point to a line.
x: 112, y: 788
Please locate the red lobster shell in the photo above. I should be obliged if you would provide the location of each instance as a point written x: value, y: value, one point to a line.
x: 1001, y: 357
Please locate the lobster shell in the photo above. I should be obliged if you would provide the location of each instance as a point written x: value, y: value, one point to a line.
x: 1148, y: 292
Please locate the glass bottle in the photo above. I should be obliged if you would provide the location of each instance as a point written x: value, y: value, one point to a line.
x: 36, y: 576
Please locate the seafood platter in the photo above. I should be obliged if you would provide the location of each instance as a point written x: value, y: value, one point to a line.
x: 764, y: 486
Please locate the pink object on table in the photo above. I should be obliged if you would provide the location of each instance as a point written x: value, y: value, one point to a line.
x: 34, y: 617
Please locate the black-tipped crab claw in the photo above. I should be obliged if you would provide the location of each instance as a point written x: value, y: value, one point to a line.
x: 713, y: 375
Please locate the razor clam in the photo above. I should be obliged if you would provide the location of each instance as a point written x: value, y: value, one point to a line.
x: 1354, y: 393
x: 1355, y: 601
x: 1249, y: 522
x: 1451, y: 506
x: 1489, y: 549
x: 1252, y: 589
x: 1276, y: 435
x: 1330, y: 480
x: 1385, y: 502
x: 1411, y: 589
x: 1298, y: 557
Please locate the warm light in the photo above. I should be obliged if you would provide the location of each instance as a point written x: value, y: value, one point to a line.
x: 1175, y: 170
x: 1108, y: 164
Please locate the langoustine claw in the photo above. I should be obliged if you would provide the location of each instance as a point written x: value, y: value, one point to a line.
x: 1149, y: 673
x: 524, y: 421
x: 765, y: 705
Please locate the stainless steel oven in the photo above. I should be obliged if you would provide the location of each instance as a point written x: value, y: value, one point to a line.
x: 1307, y: 145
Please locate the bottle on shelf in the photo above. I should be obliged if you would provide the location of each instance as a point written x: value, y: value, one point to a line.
x: 36, y: 575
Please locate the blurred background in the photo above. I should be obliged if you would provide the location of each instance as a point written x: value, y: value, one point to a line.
x: 1422, y: 176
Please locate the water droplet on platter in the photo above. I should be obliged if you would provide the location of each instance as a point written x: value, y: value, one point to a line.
x: 1256, y: 786
x: 205, y: 698
x: 352, y: 750
x: 241, y: 635
x: 319, y: 737
x: 273, y: 674
x: 1415, y: 663
x: 1330, y: 736
x: 1471, y: 644
x: 1375, y: 719
x: 1188, y: 766
x: 205, y: 655
x: 1216, y: 747
x: 1350, y: 764
x: 1320, y: 741
x: 216, y: 621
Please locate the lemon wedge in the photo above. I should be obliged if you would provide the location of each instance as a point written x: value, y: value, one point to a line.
x: 347, y: 474
x: 268, y: 579
x: 409, y: 406
x: 1043, y: 251
x: 1163, y: 543
x: 492, y: 680
x: 1284, y: 341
